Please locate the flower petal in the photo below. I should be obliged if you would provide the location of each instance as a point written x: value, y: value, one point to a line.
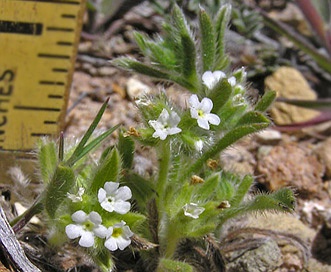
x: 206, y: 105
x: 101, y: 231
x: 175, y: 130
x: 123, y: 193
x: 111, y: 244
x: 95, y: 218
x: 108, y: 206
x: 122, y: 243
x: 79, y: 216
x: 208, y: 79
x: 87, y: 239
x: 194, y: 101
x: 102, y: 194
x: 111, y: 187
x: 121, y: 207
x: 213, y: 119
x: 73, y: 231
x: 203, y: 123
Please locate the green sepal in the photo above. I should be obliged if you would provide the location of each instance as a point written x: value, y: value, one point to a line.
x: 221, y: 22
x: 253, y: 117
x: 62, y: 181
x: 168, y: 265
x: 48, y: 159
x: 207, y: 40
x: 108, y: 170
x: 265, y: 101
x: 126, y: 149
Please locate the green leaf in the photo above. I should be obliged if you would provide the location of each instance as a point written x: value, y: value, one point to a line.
x: 62, y: 181
x: 227, y: 140
x: 242, y: 190
x: 220, y: 94
x: 108, y: 170
x: 77, y: 154
x: 189, y: 61
x: 48, y: 159
x: 126, y: 147
x: 207, y: 40
x: 252, y: 117
x: 265, y: 101
x: 221, y: 22
x: 206, y: 190
x: 168, y: 265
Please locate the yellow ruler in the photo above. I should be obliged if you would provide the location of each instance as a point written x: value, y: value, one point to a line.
x: 38, y: 44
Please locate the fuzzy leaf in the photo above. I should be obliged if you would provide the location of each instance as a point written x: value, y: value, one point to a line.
x: 108, y: 170
x: 126, y: 148
x: 207, y: 40
x: 56, y: 191
x: 220, y: 94
x: 265, y: 101
x: 227, y: 140
x: 47, y: 159
x: 253, y: 117
x: 206, y: 190
x: 221, y: 22
x: 242, y: 190
x: 167, y: 265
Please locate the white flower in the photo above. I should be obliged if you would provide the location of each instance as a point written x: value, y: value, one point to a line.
x: 86, y: 227
x: 118, y: 237
x: 112, y: 198
x: 78, y: 197
x: 198, y: 145
x: 232, y: 81
x: 165, y: 125
x: 192, y: 210
x: 201, y: 112
x: 210, y: 79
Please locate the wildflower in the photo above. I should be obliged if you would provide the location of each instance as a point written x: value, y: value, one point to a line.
x: 78, y: 197
x: 201, y: 112
x: 112, y: 198
x: 165, y: 125
x: 210, y: 79
x: 198, y: 145
x: 118, y: 236
x: 86, y: 227
x: 193, y: 210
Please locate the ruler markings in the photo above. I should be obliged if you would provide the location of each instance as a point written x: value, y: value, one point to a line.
x: 53, y: 56
x: 55, y: 2
x: 62, y: 29
x: 35, y: 108
x: 25, y: 28
x: 46, y: 82
x: 55, y: 96
x: 60, y: 70
x: 68, y: 16
x: 64, y: 43
x: 40, y: 134
x: 48, y: 122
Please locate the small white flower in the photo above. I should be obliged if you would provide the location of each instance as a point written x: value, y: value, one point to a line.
x: 112, y: 198
x: 165, y: 125
x: 232, y: 81
x: 87, y: 227
x: 210, y: 79
x: 192, y: 210
x: 201, y: 112
x: 78, y: 197
x: 118, y: 237
x: 198, y: 145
